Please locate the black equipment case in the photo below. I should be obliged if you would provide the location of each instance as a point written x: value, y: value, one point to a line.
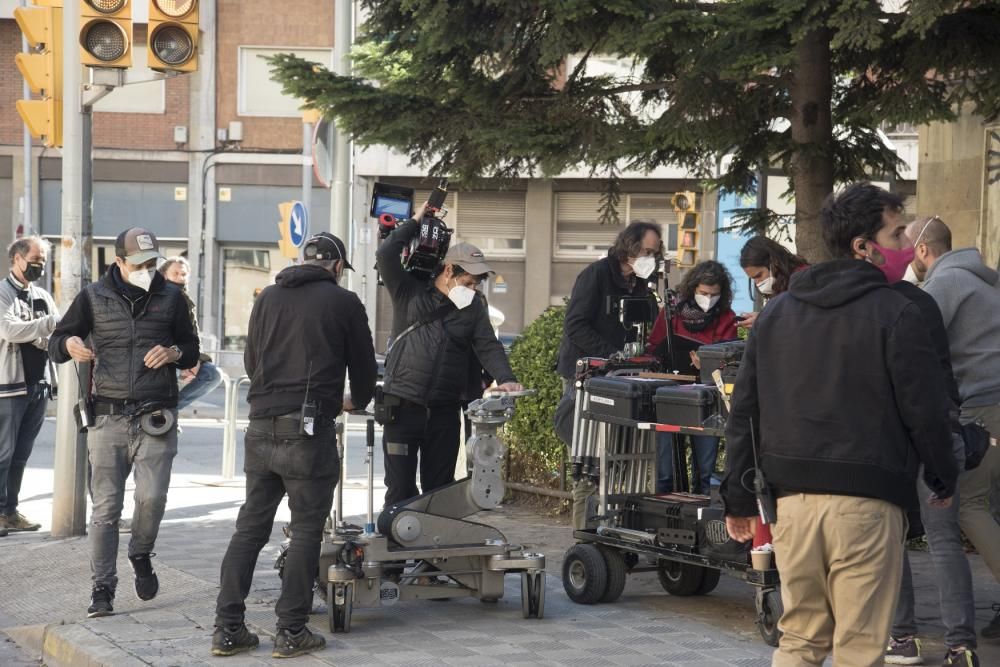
x: 685, y: 405
x: 625, y: 397
x: 720, y: 356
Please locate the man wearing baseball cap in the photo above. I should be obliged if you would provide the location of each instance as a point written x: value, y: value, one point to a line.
x: 305, y: 331
x: 136, y: 326
x: 438, y: 325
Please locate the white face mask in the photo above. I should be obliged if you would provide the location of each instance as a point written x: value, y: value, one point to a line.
x: 644, y: 267
x: 462, y: 296
x: 141, y: 278
x: 911, y: 276
x: 766, y: 286
x: 706, y: 302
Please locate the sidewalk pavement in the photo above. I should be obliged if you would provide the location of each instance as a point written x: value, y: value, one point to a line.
x: 45, y: 585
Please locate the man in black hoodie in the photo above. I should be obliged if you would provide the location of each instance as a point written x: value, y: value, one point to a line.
x: 305, y: 332
x: 842, y: 392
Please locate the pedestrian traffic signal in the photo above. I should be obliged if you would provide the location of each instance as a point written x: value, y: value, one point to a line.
x: 42, y: 69
x: 173, y: 35
x: 688, y: 228
x: 106, y: 33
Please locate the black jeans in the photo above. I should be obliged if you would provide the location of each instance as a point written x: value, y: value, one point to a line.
x: 279, y: 461
x: 431, y: 433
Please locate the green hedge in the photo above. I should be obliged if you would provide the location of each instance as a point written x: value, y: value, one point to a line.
x: 536, y: 454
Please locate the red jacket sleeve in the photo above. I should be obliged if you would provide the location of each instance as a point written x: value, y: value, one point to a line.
x: 659, y: 331
x: 725, y: 328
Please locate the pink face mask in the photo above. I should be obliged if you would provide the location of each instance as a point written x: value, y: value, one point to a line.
x: 896, y: 261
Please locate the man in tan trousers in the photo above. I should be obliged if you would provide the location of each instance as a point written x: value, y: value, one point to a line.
x: 833, y: 397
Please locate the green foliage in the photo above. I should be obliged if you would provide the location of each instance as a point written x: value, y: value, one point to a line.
x: 536, y: 454
x: 507, y: 88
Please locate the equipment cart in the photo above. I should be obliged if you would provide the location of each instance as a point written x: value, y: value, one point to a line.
x: 680, y: 536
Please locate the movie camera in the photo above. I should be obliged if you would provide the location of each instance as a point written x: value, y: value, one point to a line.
x: 393, y: 204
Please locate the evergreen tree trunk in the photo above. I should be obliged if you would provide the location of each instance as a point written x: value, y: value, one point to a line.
x: 812, y: 133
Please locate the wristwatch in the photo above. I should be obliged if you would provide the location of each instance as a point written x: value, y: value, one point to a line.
x: 178, y: 351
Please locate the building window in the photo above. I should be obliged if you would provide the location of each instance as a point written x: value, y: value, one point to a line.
x: 580, y: 235
x: 245, y: 272
x: 491, y: 221
x: 147, y: 97
x: 259, y: 95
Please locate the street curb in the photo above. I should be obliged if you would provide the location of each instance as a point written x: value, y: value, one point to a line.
x: 70, y: 645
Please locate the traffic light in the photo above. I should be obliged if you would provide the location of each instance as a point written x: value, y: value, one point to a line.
x: 42, y: 69
x: 285, y: 244
x: 106, y: 33
x: 173, y: 35
x: 688, y: 228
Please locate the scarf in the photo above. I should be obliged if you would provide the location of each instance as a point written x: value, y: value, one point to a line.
x: 694, y: 318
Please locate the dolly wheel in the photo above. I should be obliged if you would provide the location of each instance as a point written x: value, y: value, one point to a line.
x: 339, y: 610
x: 533, y: 594
x: 769, y: 612
x: 617, y: 571
x: 710, y: 581
x: 585, y: 574
x: 680, y: 579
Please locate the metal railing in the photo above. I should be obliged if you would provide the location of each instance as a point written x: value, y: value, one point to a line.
x: 232, y: 403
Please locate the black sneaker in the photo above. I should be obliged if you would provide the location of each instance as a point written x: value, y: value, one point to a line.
x: 960, y: 657
x: 288, y: 644
x: 100, y: 602
x: 233, y: 640
x: 146, y: 583
x: 903, y: 651
x: 992, y: 631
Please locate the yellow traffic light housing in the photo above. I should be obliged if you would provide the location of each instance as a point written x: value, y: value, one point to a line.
x: 285, y: 244
x: 106, y: 33
x: 688, y: 228
x: 42, y: 69
x: 173, y: 35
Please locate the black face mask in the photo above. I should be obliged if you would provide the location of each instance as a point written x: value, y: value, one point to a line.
x: 33, y: 271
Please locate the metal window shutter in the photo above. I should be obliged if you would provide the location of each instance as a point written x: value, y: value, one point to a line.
x: 490, y: 214
x: 577, y: 215
x: 654, y: 208
x: 420, y: 196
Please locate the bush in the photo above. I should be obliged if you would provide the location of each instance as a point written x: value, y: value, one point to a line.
x: 536, y: 454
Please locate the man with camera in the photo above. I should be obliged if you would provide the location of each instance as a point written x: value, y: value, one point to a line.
x: 140, y: 333
x: 305, y: 332
x: 442, y: 324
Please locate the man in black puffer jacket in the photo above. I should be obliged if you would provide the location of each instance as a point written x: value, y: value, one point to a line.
x: 441, y: 324
x: 140, y: 334
x: 843, y: 393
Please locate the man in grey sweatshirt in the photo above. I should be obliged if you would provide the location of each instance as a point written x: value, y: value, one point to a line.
x: 968, y: 294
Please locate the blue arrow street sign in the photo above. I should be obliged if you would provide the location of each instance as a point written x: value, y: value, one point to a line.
x: 298, y: 230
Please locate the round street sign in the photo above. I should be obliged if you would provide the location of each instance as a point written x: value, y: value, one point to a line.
x: 298, y: 225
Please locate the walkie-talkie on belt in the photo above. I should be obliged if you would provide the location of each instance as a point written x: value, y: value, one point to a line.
x: 307, y: 419
x: 767, y: 504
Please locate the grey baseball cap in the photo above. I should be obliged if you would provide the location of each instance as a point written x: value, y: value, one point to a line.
x: 137, y: 246
x: 469, y: 257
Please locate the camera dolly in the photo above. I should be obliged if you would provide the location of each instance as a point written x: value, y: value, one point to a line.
x: 424, y: 548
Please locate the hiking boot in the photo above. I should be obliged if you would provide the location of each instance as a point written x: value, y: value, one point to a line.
x: 992, y: 631
x: 233, y: 639
x: 288, y: 644
x: 100, y: 602
x: 17, y: 522
x: 960, y: 657
x: 146, y: 583
x: 903, y: 651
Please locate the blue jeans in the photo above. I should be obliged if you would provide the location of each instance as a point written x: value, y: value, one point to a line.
x: 280, y: 461
x: 706, y: 452
x: 208, y: 378
x: 951, y: 568
x: 21, y: 418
